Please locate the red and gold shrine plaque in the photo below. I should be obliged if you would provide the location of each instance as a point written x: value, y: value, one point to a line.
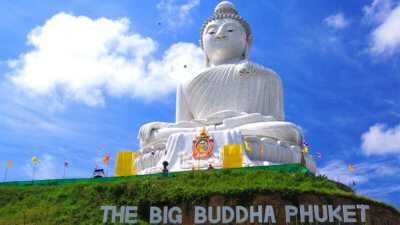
x: 203, y: 145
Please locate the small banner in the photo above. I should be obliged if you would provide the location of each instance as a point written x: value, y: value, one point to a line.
x: 106, y: 159
x: 9, y: 164
x: 125, y: 164
x: 233, y: 156
x: 35, y: 160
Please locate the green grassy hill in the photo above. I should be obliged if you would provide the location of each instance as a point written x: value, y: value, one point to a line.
x: 78, y: 202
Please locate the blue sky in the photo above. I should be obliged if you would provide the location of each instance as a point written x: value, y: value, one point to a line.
x: 78, y: 78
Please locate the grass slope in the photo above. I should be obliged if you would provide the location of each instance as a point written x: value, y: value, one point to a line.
x: 78, y: 203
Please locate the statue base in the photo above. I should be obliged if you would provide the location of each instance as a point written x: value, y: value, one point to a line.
x: 257, y: 151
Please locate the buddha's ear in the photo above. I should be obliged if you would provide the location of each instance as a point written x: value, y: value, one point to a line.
x: 207, y: 61
x: 205, y: 54
x: 246, y: 52
x: 249, y: 41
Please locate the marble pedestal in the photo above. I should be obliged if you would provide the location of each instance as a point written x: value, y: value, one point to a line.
x: 177, y: 151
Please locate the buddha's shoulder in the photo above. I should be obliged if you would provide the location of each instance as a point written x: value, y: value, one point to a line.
x: 245, y: 68
x: 256, y: 69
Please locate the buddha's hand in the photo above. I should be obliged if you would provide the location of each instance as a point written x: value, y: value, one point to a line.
x: 245, y: 68
x: 146, y: 130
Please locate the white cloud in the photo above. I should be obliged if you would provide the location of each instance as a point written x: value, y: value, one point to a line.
x: 38, y: 118
x: 362, y: 173
x: 175, y: 15
x: 380, y: 140
x: 369, y: 176
x: 337, y: 21
x: 45, y: 169
x: 51, y: 168
x: 379, y: 191
x: 337, y: 170
x: 84, y: 59
x: 385, y: 37
x: 378, y: 10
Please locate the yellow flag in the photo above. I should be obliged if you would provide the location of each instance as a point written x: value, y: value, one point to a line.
x: 125, y: 164
x: 247, y: 147
x: 232, y: 156
x: 35, y: 160
x: 350, y: 168
x: 306, y: 148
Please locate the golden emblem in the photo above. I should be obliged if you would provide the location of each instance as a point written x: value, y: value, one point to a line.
x: 202, y: 145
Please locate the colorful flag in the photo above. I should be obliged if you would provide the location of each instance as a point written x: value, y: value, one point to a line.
x: 106, y: 159
x: 247, y: 147
x: 350, y: 168
x: 232, y: 156
x: 306, y: 148
x: 9, y: 164
x: 125, y: 164
x: 317, y: 155
x: 35, y: 160
x: 262, y: 150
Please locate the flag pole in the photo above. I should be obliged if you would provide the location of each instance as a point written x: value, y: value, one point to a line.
x: 108, y: 166
x: 33, y: 172
x: 65, y: 164
x: 5, y: 174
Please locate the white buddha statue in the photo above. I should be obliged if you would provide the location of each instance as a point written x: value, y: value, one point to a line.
x: 231, y: 97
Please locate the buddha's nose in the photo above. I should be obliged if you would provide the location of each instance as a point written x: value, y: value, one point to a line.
x: 220, y: 35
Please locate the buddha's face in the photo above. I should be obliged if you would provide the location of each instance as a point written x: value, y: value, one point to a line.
x: 224, y: 40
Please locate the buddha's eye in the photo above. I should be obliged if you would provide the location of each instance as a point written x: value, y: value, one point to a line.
x: 211, y: 32
x: 230, y: 30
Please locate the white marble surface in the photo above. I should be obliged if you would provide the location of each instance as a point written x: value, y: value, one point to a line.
x: 178, y: 153
x: 223, y: 88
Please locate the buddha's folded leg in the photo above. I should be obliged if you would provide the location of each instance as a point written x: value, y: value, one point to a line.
x: 161, y: 135
x: 278, y: 130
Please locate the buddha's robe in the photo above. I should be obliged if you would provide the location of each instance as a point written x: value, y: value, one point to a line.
x: 226, y: 88
x: 244, y: 96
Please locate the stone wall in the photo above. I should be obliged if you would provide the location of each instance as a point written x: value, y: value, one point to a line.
x: 377, y: 214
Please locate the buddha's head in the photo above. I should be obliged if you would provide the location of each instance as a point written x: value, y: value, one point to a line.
x: 225, y: 36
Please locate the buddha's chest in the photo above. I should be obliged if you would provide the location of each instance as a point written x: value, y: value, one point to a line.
x: 223, y: 86
x: 226, y: 91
